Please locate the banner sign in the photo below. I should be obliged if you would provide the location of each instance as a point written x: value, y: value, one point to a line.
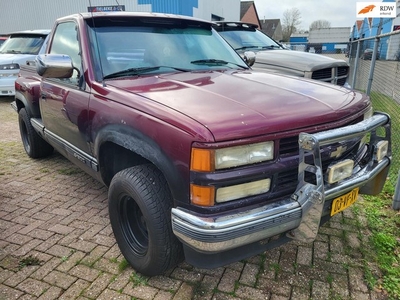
x: 106, y: 8
x: 376, y: 9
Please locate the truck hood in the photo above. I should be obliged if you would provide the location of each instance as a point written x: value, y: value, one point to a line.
x: 15, y: 58
x: 296, y: 60
x: 235, y: 104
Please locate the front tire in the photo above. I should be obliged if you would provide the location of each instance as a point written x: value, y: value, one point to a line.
x: 140, y: 215
x: 34, y: 145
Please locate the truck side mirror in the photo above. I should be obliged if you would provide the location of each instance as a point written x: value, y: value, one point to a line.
x: 54, y: 66
x: 249, y: 57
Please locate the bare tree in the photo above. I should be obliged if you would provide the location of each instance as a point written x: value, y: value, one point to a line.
x: 291, y: 21
x: 320, y: 24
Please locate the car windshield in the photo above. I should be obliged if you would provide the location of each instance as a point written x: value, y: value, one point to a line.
x: 132, y: 49
x: 248, y: 39
x: 22, y: 44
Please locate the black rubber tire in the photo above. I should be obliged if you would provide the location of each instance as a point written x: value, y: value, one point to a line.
x: 140, y: 214
x: 34, y: 145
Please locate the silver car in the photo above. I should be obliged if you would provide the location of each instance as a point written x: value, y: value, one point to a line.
x: 273, y: 57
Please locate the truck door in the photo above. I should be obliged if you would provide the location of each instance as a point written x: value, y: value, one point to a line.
x: 64, y: 102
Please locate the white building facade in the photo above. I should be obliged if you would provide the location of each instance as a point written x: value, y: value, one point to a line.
x: 16, y: 15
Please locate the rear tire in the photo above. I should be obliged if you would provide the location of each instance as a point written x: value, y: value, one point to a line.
x: 34, y: 145
x: 140, y: 214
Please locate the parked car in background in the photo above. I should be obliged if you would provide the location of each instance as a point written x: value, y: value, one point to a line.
x: 367, y: 54
x: 272, y: 56
x: 3, y: 39
x: 19, y: 48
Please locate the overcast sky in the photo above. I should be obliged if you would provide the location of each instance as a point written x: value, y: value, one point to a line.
x: 340, y: 13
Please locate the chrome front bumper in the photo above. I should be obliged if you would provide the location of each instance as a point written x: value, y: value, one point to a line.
x: 299, y: 216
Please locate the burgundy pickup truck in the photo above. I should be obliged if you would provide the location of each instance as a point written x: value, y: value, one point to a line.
x: 205, y: 159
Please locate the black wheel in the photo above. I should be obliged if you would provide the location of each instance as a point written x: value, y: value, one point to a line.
x: 140, y: 214
x: 34, y: 145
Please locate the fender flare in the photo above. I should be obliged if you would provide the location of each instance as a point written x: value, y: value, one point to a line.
x: 135, y: 141
x: 31, y: 107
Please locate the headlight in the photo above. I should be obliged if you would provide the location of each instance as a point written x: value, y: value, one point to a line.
x: 340, y: 171
x: 208, y: 195
x: 9, y: 67
x: 209, y: 160
x: 381, y: 150
x: 243, y: 190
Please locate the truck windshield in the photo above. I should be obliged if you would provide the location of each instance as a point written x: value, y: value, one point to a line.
x: 22, y: 44
x: 247, y: 39
x: 159, y: 49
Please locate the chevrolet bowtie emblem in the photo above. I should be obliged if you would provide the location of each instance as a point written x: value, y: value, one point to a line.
x: 338, y: 152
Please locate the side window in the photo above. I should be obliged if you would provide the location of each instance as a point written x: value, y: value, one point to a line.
x: 66, y: 42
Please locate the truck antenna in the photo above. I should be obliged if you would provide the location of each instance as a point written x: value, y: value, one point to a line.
x: 97, y: 44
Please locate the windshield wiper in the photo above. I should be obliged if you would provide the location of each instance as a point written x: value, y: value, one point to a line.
x: 246, y: 47
x: 215, y: 62
x: 272, y: 47
x: 13, y: 51
x: 138, y: 71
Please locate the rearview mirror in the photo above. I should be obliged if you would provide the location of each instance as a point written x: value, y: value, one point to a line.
x: 54, y: 66
x: 249, y: 57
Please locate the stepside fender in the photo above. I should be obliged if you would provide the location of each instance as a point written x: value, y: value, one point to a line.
x: 27, y: 94
x: 141, y: 144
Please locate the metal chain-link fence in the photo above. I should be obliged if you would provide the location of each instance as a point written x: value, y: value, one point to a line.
x: 375, y: 70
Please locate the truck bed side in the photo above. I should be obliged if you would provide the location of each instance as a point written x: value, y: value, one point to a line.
x: 27, y: 89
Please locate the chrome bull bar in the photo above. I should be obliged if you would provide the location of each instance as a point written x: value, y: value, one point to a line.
x: 311, y: 197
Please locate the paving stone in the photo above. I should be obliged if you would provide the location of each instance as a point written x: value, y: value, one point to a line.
x: 304, y: 256
x: 144, y: 292
x: 165, y: 283
x: 46, y: 268
x: 53, y: 293
x: 300, y: 293
x: 356, y: 280
x: 184, y: 292
x: 82, y: 271
x: 275, y: 287
x: 75, y: 290
x: 61, y: 229
x: 187, y: 275
x: 247, y: 292
x: 336, y: 244
x: 59, y: 279
x: 228, y: 281
x: 205, y: 289
x: 163, y: 295
x: 26, y: 248
x: 107, y: 266
x: 8, y: 293
x: 20, y: 276
x: 98, y: 286
x: 249, y: 274
x: 33, y: 287
x: 108, y: 294
x: 320, y: 290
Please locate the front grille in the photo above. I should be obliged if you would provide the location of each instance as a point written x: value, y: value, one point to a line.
x: 323, y: 74
x: 286, y: 180
x: 335, y: 75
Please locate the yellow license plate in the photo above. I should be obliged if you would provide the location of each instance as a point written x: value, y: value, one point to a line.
x: 343, y: 202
